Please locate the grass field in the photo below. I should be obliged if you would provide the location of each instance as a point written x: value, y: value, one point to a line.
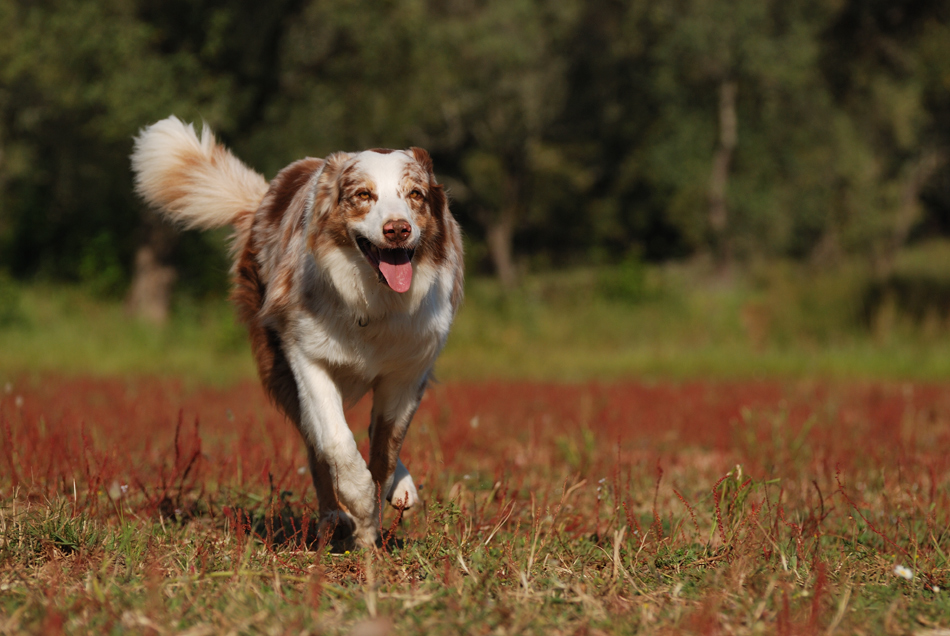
x: 607, y: 324
x: 697, y: 507
x: 633, y: 459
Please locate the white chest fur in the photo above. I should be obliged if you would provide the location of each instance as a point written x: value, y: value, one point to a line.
x: 359, y: 330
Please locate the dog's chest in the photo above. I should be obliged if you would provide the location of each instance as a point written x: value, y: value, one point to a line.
x: 371, y: 347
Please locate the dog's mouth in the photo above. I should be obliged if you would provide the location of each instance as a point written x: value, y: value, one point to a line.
x: 394, y: 266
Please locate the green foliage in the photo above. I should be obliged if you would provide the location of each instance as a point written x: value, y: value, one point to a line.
x: 626, y: 283
x: 100, y: 268
x: 58, y: 530
x: 205, y: 262
x: 915, y: 294
x: 11, y: 313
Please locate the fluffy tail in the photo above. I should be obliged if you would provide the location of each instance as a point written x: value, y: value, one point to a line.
x: 196, y: 183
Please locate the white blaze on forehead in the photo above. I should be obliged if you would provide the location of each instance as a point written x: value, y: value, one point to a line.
x: 386, y: 170
x: 387, y: 173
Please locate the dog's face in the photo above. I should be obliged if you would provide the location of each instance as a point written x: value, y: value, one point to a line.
x: 387, y: 205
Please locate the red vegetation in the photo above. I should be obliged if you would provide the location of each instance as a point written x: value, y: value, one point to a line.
x: 59, y: 434
x: 799, y: 479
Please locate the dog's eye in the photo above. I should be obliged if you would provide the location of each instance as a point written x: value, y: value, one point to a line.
x: 415, y: 195
x: 363, y: 196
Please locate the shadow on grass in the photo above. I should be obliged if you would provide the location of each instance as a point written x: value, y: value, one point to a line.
x: 283, y: 528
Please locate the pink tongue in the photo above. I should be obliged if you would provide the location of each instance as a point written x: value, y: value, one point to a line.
x: 396, y: 269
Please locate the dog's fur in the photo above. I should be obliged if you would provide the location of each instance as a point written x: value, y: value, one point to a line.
x: 321, y: 280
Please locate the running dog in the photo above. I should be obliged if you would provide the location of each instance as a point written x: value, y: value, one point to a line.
x: 347, y: 273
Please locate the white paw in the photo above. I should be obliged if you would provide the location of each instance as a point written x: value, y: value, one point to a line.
x: 403, y: 493
x: 345, y: 532
x: 365, y: 536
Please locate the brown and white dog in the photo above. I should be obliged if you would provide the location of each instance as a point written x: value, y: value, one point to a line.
x: 348, y: 274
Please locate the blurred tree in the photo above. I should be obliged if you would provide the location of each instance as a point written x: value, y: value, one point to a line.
x: 505, y: 83
x: 239, y: 43
x: 348, y: 76
x: 153, y: 275
x: 739, y: 104
x: 889, y: 67
x: 478, y: 83
x: 77, y: 79
x: 610, y: 109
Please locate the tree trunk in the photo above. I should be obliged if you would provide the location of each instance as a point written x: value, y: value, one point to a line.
x: 500, y: 225
x: 149, y: 295
x: 499, y: 235
x: 719, y: 178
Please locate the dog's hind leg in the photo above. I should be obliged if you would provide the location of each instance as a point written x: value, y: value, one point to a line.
x: 394, y: 403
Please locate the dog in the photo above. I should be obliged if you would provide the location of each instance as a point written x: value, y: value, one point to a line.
x: 347, y: 273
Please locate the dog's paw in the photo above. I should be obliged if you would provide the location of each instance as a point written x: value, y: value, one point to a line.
x: 336, y: 527
x: 366, y: 536
x: 403, y: 493
x: 341, y: 532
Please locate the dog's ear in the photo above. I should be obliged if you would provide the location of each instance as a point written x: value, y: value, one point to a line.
x: 438, y: 201
x: 326, y: 193
x: 421, y: 155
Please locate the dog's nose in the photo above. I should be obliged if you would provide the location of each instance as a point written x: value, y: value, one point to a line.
x: 397, y: 231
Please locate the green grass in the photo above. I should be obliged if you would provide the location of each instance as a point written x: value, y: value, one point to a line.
x: 605, y: 323
x: 65, y: 330
x: 561, y: 327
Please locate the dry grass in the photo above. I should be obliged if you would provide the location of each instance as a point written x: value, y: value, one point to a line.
x: 774, y: 508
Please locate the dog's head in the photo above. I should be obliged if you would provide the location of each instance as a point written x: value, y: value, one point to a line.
x: 387, y: 205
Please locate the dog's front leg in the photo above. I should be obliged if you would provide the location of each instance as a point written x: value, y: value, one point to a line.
x: 395, y: 401
x: 339, y: 473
